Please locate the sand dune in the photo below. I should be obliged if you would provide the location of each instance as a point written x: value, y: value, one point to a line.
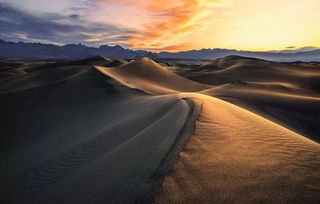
x: 234, y: 68
x: 40, y: 78
x: 28, y: 75
x: 298, y: 112
x: 150, y: 77
x: 105, y: 130
x: 239, y: 157
x: 285, y: 93
x: 84, y: 140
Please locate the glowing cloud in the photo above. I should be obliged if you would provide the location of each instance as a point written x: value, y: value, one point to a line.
x: 171, y: 19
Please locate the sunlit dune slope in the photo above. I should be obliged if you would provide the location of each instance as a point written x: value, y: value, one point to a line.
x: 234, y: 68
x: 298, y: 112
x: 287, y: 93
x: 150, y: 77
x: 238, y: 157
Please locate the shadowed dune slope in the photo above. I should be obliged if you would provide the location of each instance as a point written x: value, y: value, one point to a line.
x: 238, y: 157
x: 40, y: 78
x: 88, y: 139
x: 150, y: 77
x: 22, y: 76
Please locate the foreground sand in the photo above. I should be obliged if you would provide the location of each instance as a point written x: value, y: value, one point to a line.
x: 238, y: 157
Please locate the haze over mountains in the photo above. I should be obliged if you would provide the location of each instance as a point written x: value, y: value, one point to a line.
x: 34, y: 51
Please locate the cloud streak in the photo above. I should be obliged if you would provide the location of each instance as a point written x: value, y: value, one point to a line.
x: 55, y: 28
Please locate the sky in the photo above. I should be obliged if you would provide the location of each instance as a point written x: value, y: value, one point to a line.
x: 165, y: 25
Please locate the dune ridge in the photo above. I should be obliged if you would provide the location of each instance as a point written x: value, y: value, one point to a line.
x: 40, y: 74
x: 237, y: 156
x: 287, y: 93
x: 151, y: 77
x: 94, y: 129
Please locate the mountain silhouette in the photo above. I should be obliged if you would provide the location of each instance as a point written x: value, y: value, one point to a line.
x: 36, y: 51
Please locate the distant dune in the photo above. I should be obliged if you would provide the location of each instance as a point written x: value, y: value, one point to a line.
x: 287, y: 93
x: 104, y: 130
x: 150, y: 77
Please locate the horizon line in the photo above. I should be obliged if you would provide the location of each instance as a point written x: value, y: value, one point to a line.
x: 290, y: 50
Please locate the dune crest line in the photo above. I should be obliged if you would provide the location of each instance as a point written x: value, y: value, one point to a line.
x: 99, y: 139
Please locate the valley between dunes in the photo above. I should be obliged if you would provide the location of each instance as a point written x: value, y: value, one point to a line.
x: 100, y: 130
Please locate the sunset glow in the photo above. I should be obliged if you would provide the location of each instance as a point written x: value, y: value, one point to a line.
x: 181, y: 24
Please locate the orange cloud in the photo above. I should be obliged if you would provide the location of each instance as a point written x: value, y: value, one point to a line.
x: 171, y: 19
x: 159, y: 47
x: 175, y: 48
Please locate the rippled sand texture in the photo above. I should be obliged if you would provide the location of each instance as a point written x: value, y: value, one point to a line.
x: 84, y: 137
x: 238, y: 157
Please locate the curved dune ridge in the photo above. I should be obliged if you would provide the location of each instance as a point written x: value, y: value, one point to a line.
x: 150, y: 77
x: 237, y: 156
x: 233, y: 68
x: 88, y: 139
x: 103, y: 134
x: 34, y: 76
x: 287, y: 93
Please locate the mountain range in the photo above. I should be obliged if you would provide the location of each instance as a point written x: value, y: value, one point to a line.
x: 36, y: 51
